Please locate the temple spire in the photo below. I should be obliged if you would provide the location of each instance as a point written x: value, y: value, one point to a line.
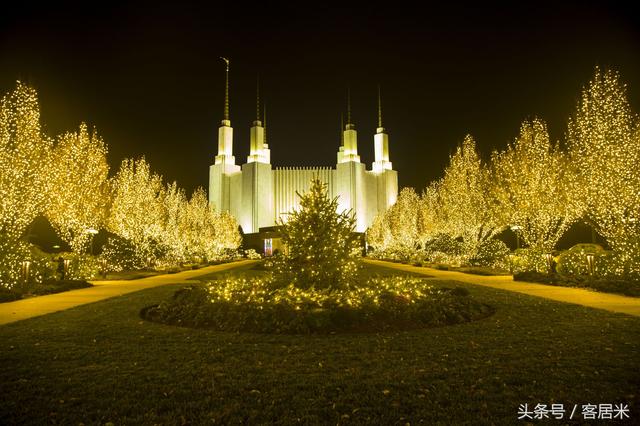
x: 226, y: 91
x: 264, y: 112
x: 341, y: 129
x: 258, y: 98
x: 379, y: 108
x: 348, y: 106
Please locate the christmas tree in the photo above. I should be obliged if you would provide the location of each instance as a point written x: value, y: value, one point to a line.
x: 321, y: 245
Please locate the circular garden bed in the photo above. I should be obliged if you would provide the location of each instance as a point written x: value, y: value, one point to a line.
x: 260, y: 305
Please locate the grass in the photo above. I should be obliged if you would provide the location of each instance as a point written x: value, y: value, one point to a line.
x: 101, y: 363
x: 625, y: 287
x: 129, y: 275
x: 480, y: 270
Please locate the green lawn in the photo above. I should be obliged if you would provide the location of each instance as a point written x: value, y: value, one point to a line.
x: 101, y: 363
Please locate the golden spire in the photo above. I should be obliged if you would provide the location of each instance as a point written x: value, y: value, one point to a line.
x: 264, y: 112
x: 341, y: 129
x: 258, y: 98
x: 379, y: 108
x: 226, y: 90
x: 348, y: 106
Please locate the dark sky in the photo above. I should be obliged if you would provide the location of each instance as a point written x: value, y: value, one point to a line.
x: 150, y: 79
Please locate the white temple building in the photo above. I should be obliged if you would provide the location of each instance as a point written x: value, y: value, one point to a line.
x: 258, y: 195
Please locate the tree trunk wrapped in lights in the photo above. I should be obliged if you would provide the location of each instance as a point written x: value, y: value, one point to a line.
x: 604, y: 145
x: 321, y: 245
x: 531, y: 182
x: 79, y: 198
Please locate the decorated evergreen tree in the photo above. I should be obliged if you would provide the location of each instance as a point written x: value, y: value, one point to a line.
x: 321, y: 245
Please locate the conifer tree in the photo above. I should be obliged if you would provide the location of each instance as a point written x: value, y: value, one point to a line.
x: 321, y: 247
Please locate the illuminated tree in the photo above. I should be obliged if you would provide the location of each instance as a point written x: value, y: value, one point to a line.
x: 24, y: 161
x: 531, y: 184
x: 430, y: 214
x: 402, y: 219
x: 604, y: 146
x: 175, y: 235
x: 321, y: 244
x: 24, y: 166
x: 79, y: 197
x: 378, y: 234
x: 137, y: 209
x: 227, y: 235
x: 210, y: 233
x: 466, y: 200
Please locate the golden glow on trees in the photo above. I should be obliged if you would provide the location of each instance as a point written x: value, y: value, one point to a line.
x: 531, y: 187
x: 24, y: 163
x: 465, y: 195
x: 79, y: 197
x: 604, y: 145
x: 137, y: 208
x: 160, y: 225
x: 402, y: 218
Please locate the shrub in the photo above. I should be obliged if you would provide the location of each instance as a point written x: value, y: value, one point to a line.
x: 9, y: 295
x: 120, y: 254
x: 256, y: 305
x: 574, y: 260
x: 51, y: 286
x: 492, y: 253
x: 528, y: 259
x: 252, y: 254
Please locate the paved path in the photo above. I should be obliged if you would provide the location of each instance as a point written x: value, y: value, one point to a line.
x: 593, y: 299
x: 41, y: 305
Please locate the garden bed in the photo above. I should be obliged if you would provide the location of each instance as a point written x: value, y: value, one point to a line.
x: 49, y: 286
x: 618, y: 286
x: 258, y: 305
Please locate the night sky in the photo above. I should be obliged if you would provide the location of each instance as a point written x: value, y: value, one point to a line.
x: 150, y: 79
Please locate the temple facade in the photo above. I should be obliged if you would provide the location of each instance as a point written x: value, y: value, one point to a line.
x: 259, y: 195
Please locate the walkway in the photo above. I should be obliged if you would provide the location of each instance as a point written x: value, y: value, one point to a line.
x: 41, y: 305
x: 578, y: 296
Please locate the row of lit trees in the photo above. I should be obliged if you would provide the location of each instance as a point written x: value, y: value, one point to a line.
x: 534, y: 186
x: 66, y: 180
x: 161, y: 223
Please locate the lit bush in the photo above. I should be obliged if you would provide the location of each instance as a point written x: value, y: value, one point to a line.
x: 121, y: 255
x: 257, y: 305
x: 573, y: 262
x: 528, y: 259
x: 493, y: 253
x: 252, y: 254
